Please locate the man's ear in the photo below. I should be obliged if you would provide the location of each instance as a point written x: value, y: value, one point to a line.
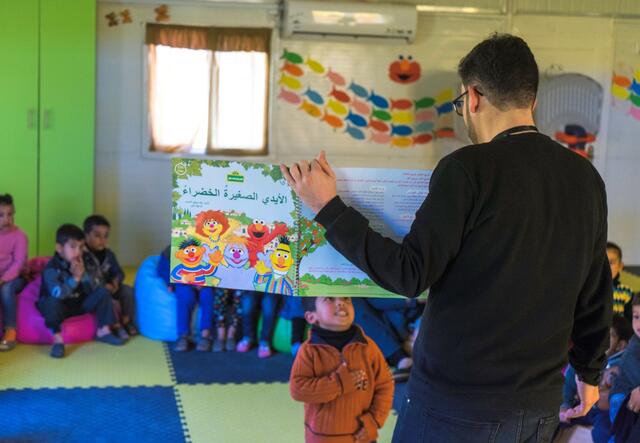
x: 59, y: 248
x: 473, y: 99
x: 310, y: 317
x: 535, y: 104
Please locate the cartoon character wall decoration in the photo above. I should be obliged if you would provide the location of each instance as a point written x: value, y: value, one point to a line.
x: 360, y: 112
x: 404, y: 70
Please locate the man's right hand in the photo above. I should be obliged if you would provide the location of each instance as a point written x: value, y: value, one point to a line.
x: 634, y: 400
x: 588, y: 395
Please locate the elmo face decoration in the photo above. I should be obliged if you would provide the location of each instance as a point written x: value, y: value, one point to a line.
x: 404, y: 70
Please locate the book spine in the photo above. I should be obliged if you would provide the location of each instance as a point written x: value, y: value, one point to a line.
x: 296, y: 225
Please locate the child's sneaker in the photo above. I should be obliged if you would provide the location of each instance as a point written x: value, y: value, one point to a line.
x: 204, y: 344
x: 57, y: 350
x: 295, y: 347
x: 122, y: 333
x: 264, y: 350
x: 7, y: 345
x: 244, y: 345
x: 218, y: 345
x: 182, y: 345
x: 110, y: 339
x: 230, y: 344
x: 131, y: 329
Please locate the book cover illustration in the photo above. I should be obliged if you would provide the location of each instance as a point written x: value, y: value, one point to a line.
x: 233, y: 226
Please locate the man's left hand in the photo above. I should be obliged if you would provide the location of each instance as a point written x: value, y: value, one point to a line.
x: 314, y: 183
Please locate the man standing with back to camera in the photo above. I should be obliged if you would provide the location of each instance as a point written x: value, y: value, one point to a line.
x: 511, y: 240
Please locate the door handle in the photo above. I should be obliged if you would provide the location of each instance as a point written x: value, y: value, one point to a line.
x: 31, y: 114
x: 46, y: 118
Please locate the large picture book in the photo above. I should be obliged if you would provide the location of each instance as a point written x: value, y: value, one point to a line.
x: 238, y: 225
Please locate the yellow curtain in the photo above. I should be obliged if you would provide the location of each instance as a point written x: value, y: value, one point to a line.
x: 214, y: 38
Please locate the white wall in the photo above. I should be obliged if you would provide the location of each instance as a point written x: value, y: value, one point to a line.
x: 134, y: 191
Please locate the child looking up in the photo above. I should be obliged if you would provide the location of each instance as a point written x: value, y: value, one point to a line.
x: 340, y: 375
x: 13, y: 256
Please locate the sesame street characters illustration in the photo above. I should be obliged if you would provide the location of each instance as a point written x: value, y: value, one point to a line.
x: 404, y: 70
x: 192, y: 268
x: 259, y: 235
x: 272, y: 273
x: 236, y: 271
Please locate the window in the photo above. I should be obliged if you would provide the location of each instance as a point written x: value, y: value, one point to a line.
x: 208, y: 89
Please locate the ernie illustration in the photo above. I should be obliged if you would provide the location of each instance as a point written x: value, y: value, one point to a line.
x: 193, y: 268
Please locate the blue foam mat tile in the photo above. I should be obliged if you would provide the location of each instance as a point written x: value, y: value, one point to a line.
x: 123, y: 415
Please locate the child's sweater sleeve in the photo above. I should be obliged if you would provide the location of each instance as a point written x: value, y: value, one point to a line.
x: 307, y: 387
x: 629, y: 377
x: 382, y: 401
x: 19, y: 258
x: 116, y: 270
x: 58, y: 284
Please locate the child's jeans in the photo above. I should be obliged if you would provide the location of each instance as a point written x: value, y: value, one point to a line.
x: 55, y: 310
x: 226, y: 304
x: 125, y: 296
x: 8, y: 294
x: 250, y: 302
x: 186, y: 298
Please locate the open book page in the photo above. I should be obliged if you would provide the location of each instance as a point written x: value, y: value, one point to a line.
x: 389, y: 198
x: 233, y: 226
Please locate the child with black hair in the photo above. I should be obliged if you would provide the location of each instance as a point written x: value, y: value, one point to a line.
x: 102, y: 265
x: 67, y: 290
x: 340, y: 375
x: 13, y: 257
x: 622, y: 294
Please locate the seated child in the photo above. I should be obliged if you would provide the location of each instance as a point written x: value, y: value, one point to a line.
x: 627, y: 383
x: 340, y: 375
x: 620, y: 334
x: 102, y: 265
x: 293, y: 311
x: 67, y: 290
x: 622, y: 294
x: 13, y: 257
x: 226, y: 310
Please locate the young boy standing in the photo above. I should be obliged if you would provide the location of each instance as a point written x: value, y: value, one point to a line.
x: 340, y: 375
x: 622, y: 294
x: 102, y: 265
x: 67, y: 290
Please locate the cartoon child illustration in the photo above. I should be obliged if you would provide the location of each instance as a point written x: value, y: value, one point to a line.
x: 275, y: 280
x: 192, y: 269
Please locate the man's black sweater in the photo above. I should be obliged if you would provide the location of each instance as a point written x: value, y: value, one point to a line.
x: 511, y: 240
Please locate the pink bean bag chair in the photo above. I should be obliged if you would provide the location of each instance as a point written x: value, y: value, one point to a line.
x: 30, y: 323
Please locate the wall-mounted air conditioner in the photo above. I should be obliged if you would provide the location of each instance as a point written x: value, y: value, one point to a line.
x: 366, y: 21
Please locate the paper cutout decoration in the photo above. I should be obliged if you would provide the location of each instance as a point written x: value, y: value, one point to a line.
x: 361, y: 113
x: 625, y: 89
x: 162, y: 13
x: 405, y: 70
x: 112, y: 19
x: 126, y: 16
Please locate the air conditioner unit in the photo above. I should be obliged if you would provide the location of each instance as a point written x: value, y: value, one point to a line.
x: 365, y: 21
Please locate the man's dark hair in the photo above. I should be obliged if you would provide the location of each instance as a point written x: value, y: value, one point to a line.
x: 618, y: 249
x: 623, y: 328
x: 6, y: 200
x: 68, y: 232
x: 189, y: 242
x: 94, y: 220
x: 309, y: 304
x: 503, y: 69
x: 635, y: 301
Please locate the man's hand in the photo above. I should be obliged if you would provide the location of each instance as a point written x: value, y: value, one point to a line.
x: 77, y: 269
x: 588, y: 395
x: 562, y: 415
x: 634, y: 400
x: 110, y: 288
x: 314, y: 183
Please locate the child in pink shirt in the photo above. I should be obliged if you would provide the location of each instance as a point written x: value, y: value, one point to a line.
x: 13, y: 257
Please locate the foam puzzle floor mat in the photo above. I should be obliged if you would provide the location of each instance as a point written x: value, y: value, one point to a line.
x: 144, y: 392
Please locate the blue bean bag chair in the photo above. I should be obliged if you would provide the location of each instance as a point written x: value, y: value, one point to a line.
x: 155, y: 305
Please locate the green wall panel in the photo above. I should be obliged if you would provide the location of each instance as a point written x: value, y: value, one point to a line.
x: 19, y: 111
x: 67, y: 111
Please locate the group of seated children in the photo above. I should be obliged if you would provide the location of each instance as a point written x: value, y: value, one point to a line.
x: 620, y: 384
x: 82, y: 276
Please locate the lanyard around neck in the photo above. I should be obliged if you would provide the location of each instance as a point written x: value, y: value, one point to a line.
x: 515, y: 130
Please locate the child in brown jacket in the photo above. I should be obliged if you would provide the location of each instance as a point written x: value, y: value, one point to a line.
x: 340, y: 375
